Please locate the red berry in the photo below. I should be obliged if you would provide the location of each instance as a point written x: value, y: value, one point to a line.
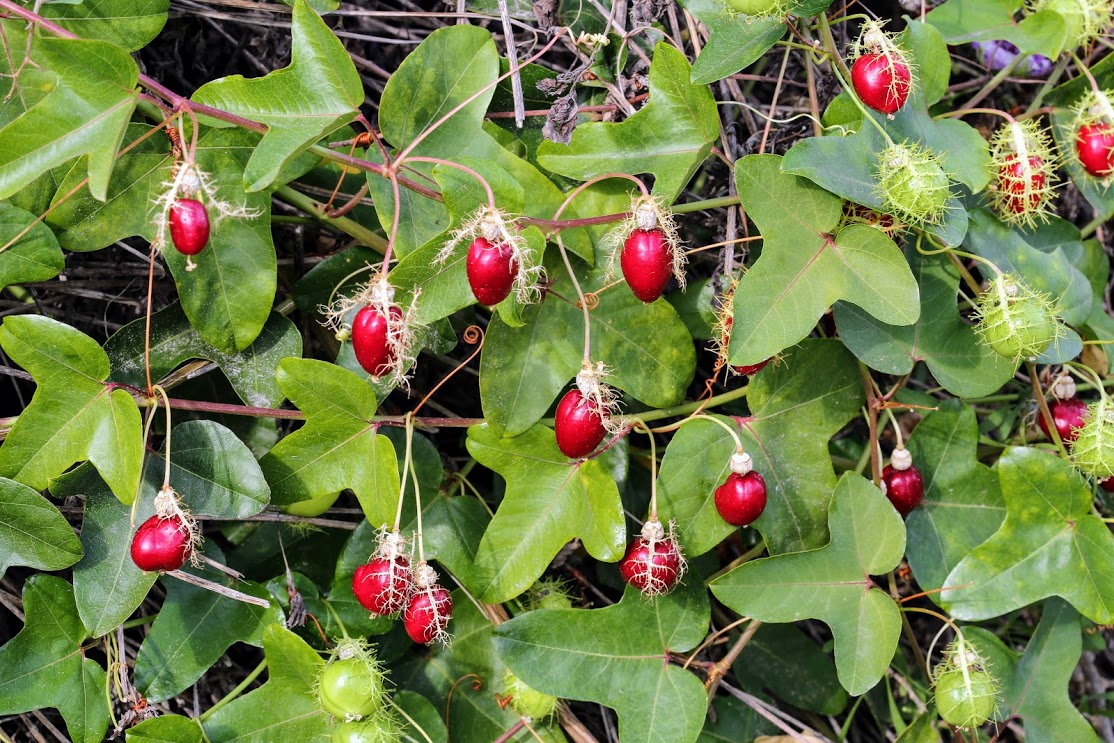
x: 1107, y: 484
x: 382, y: 586
x: 427, y: 614
x: 189, y: 226
x: 647, y: 263
x: 578, y: 425
x: 656, y: 573
x: 749, y: 369
x: 1094, y: 143
x: 1012, y: 177
x: 370, y: 340
x: 491, y: 270
x: 881, y: 82
x: 161, y: 544
x: 904, y: 488
x: 741, y: 499
x: 1068, y: 415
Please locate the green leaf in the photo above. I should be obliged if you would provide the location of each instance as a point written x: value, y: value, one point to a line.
x: 796, y: 406
x: 319, y: 92
x: 960, y: 21
x: 338, y: 447
x: 733, y: 722
x: 107, y: 585
x: 804, y: 267
x: 174, y: 341
x: 848, y: 166
x: 165, y: 729
x: 73, y: 416
x: 669, y: 137
x: 425, y: 716
x: 963, y: 503
x: 618, y: 656
x: 284, y: 708
x: 35, y: 256
x: 44, y: 665
x: 833, y: 584
x: 194, y: 628
x: 33, y: 532
x: 954, y: 353
x: 92, y: 96
x: 450, y: 66
x: 522, y: 370
x: 934, y: 63
x: 131, y: 24
x: 1049, y: 545
x: 549, y: 501
x: 735, y: 41
x: 1035, y: 685
x: 213, y: 470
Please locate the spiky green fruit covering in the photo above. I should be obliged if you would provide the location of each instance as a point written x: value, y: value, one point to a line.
x: 1023, y: 164
x: 550, y: 594
x: 1093, y: 450
x: 1094, y: 107
x: 1016, y: 321
x: 912, y: 184
x: 758, y: 8
x: 381, y: 728
x: 526, y: 701
x: 966, y: 694
x: 1084, y: 20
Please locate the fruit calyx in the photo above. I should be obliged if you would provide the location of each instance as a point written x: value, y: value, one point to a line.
x: 654, y: 562
x: 351, y: 685
x: 1016, y: 321
x: 1024, y: 164
x: 966, y: 693
x: 913, y: 184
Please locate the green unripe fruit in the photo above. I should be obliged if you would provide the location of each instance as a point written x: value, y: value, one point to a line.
x: 965, y: 702
x: 1093, y: 449
x: 381, y: 729
x: 912, y: 184
x: 549, y: 594
x: 311, y: 507
x: 528, y: 702
x: 351, y: 688
x: 1073, y: 13
x: 1014, y: 320
x: 1084, y: 20
x: 754, y: 7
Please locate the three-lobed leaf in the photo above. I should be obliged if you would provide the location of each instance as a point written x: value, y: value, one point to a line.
x: 33, y: 532
x: 833, y: 584
x: 74, y: 416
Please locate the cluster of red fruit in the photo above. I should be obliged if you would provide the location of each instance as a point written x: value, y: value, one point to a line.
x: 387, y: 584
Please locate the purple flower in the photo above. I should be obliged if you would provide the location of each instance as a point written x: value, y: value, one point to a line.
x: 997, y: 55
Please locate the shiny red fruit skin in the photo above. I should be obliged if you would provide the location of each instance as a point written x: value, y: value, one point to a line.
x: 189, y: 226
x: 749, y: 369
x: 881, y: 83
x: 1068, y: 416
x: 382, y: 586
x: 647, y: 263
x: 1012, y: 178
x: 638, y: 570
x: 161, y: 544
x: 741, y: 499
x: 1094, y: 143
x: 369, y: 340
x: 427, y: 614
x: 1107, y: 484
x: 491, y: 271
x: 904, y: 488
x: 578, y: 425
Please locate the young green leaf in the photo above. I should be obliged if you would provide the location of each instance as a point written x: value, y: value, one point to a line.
x: 1050, y: 545
x: 669, y: 137
x: 549, y: 501
x: 338, y: 447
x: 806, y: 265
x: 45, y: 665
x: 74, y: 415
x: 319, y: 92
x: 833, y: 584
x: 618, y: 656
x: 33, y: 532
x: 735, y: 40
x: 33, y: 257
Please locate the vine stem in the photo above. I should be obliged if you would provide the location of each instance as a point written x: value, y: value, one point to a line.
x: 166, y: 465
x: 897, y: 428
x: 417, y: 488
x: 638, y: 425
x: 209, y: 585
x: 702, y: 416
x: 405, y: 471
x: 463, y: 168
x: 240, y: 688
